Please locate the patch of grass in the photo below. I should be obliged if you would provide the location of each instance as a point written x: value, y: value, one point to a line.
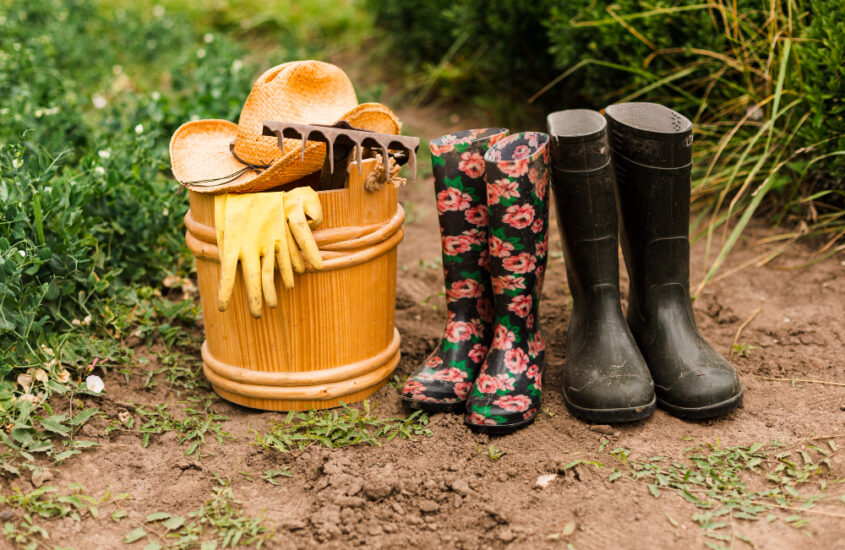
x: 191, y: 429
x: 341, y: 428
x: 220, y: 523
x: 493, y: 453
x: 270, y: 475
x: 183, y: 371
x: 757, y: 482
x: 743, y: 350
x: 23, y: 529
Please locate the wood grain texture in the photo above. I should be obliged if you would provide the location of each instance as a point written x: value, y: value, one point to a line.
x: 338, y: 320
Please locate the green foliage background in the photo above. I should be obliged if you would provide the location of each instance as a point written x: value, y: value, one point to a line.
x: 500, y: 54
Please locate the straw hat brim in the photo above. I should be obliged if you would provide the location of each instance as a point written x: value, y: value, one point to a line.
x: 202, y: 160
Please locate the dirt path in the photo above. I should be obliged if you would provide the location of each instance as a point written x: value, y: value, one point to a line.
x: 445, y: 490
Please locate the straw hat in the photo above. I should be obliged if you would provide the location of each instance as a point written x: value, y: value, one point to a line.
x: 218, y: 156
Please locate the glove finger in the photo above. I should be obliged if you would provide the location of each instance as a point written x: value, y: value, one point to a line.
x: 252, y: 281
x: 293, y: 251
x: 228, y: 271
x: 304, y: 238
x: 283, y: 259
x: 268, y: 285
x: 314, y: 211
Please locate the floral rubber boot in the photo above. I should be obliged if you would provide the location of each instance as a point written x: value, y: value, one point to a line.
x: 443, y: 382
x: 506, y: 394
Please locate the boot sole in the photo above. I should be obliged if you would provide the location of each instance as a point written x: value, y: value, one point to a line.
x: 500, y: 429
x: 703, y: 413
x: 432, y: 407
x: 612, y: 416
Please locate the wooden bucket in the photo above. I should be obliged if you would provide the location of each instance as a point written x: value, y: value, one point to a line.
x: 331, y: 339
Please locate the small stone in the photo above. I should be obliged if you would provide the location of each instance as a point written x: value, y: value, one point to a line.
x: 378, y: 489
x: 354, y: 487
x: 461, y: 487
x: 506, y: 535
x: 544, y: 480
x: 428, y: 506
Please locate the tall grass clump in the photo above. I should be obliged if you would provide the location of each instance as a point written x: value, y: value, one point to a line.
x: 762, y: 80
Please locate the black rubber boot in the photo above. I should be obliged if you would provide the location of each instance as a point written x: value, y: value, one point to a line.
x: 442, y: 383
x: 605, y: 378
x: 651, y: 148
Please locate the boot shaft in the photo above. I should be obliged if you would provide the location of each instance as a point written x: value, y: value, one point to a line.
x: 458, y: 165
x: 517, y: 201
x: 582, y: 179
x: 651, y: 148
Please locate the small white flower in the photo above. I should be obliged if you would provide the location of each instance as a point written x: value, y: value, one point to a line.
x: 87, y: 320
x: 99, y: 101
x: 51, y: 111
x: 17, y: 163
x: 139, y: 129
x: 237, y: 65
x: 208, y: 38
x: 63, y: 376
x: 39, y: 113
x: 76, y: 322
x: 158, y: 11
x: 100, y: 170
x: 104, y: 153
x: 22, y: 253
x: 155, y: 95
x: 201, y: 53
x: 94, y: 383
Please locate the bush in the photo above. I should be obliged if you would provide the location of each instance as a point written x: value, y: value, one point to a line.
x: 823, y: 85
x: 88, y: 209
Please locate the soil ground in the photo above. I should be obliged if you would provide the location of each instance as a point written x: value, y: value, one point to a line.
x: 443, y: 490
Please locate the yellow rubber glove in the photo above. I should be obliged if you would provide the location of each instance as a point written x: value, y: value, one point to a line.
x: 251, y: 230
x: 303, y: 213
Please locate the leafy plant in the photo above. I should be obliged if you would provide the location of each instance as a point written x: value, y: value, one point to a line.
x: 192, y: 429
x: 748, y: 482
x: 219, y: 523
x: 340, y: 428
x: 47, y: 503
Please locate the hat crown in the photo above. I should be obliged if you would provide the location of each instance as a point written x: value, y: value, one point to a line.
x: 308, y: 92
